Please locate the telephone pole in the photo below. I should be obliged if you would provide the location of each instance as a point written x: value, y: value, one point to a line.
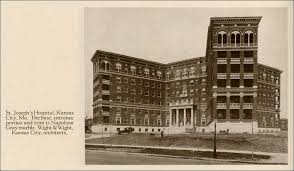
x: 214, y: 149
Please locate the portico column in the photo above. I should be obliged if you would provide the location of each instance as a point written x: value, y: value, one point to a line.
x: 170, y: 118
x: 184, y: 117
x: 177, y: 118
x: 192, y: 118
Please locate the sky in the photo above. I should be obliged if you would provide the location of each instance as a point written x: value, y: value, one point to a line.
x: 171, y: 34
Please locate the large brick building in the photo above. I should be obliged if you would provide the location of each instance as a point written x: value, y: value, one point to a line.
x: 227, y: 86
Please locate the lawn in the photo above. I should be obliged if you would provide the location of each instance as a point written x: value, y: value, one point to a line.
x: 275, y: 143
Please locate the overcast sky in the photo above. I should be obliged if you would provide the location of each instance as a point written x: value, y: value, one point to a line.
x: 172, y: 34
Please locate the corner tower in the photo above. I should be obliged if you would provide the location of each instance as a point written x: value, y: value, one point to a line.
x: 232, y: 66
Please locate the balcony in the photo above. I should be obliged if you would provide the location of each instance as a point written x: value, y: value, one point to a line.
x: 235, y: 61
x: 235, y: 76
x: 248, y: 61
x: 234, y: 105
x: 105, y: 92
x: 105, y: 82
x: 221, y: 61
x: 248, y: 75
x: 247, y: 106
x: 221, y: 75
x: 221, y: 106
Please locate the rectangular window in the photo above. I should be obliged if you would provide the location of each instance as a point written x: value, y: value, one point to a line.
x: 118, y: 89
x: 235, y: 68
x: 221, y: 68
x: 133, y: 91
x: 118, y: 98
x: 139, y: 82
x: 248, y: 54
x: 118, y: 120
x: 159, y: 94
x: 133, y: 82
x: 139, y: 91
x: 191, y: 82
x: 118, y: 79
x: 146, y: 92
x: 146, y: 84
x: 235, y: 83
x: 159, y: 122
x: 126, y: 80
x: 146, y: 121
x: 153, y: 84
x: 221, y: 83
x: 235, y: 54
x: 222, y: 54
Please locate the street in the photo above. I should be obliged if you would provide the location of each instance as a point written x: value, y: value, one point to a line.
x: 98, y: 157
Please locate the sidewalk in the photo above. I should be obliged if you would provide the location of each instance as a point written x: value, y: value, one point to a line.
x: 275, y: 158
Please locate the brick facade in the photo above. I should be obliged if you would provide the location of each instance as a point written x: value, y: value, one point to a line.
x: 227, y: 85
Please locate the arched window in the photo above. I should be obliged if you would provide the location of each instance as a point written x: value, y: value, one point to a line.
x: 159, y: 74
x: 118, y: 67
x: 168, y: 75
x: 133, y: 70
x: 105, y: 65
x: 238, y: 38
x: 146, y: 72
x: 245, y: 39
x: 235, y: 38
x: 192, y: 72
x: 178, y: 74
x: 251, y: 38
x: 219, y: 39
x: 248, y: 38
x: 222, y: 38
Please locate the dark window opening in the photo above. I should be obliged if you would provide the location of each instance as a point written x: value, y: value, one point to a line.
x: 234, y: 113
x: 221, y: 113
x: 235, y: 54
x: 247, y: 113
x: 248, y: 82
x: 105, y: 108
x: 238, y: 38
x: 235, y: 68
x: 251, y: 38
x: 105, y: 87
x: 235, y: 83
x: 248, y: 99
x: 246, y: 38
x: 221, y: 68
x: 224, y: 39
x: 221, y: 83
x: 117, y: 129
x: 219, y: 39
x: 235, y: 99
x: 221, y: 99
x: 105, y: 119
x: 233, y: 39
x: 105, y: 97
x: 222, y: 54
x: 105, y: 77
x: 248, y: 54
x: 248, y: 68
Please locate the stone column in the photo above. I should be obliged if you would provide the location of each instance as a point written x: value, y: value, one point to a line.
x: 185, y: 117
x: 228, y: 69
x: 170, y: 118
x: 192, y: 118
x: 177, y: 118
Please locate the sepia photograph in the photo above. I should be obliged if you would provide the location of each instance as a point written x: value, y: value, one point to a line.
x: 186, y: 86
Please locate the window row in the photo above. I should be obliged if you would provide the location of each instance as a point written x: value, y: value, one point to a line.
x: 134, y: 91
x: 138, y: 82
x: 138, y: 100
x: 185, y: 73
x: 134, y: 121
x: 234, y: 83
x: 184, y: 84
x: 234, y: 38
x: 234, y: 68
x: 269, y: 78
x: 234, y: 54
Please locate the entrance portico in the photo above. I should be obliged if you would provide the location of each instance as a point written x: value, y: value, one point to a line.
x: 182, y: 117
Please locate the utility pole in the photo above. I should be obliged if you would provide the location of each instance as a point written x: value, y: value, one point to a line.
x: 252, y: 140
x: 214, y: 149
x: 102, y: 130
